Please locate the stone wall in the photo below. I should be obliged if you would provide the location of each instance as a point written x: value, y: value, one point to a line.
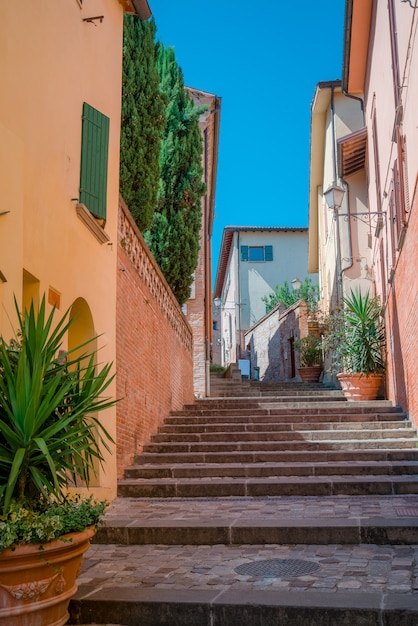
x: 154, y: 345
x: 270, y: 342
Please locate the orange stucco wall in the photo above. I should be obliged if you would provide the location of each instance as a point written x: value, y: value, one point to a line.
x: 51, y: 61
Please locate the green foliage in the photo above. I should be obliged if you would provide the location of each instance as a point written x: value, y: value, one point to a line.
x: 356, y: 335
x: 310, y: 350
x: 216, y: 368
x: 288, y: 296
x: 175, y: 230
x: 143, y: 120
x: 45, y: 522
x: 49, y: 433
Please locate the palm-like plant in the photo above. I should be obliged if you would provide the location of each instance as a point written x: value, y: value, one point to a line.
x: 357, y: 335
x: 49, y: 434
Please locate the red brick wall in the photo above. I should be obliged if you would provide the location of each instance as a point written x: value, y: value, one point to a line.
x: 154, y: 345
x: 402, y: 323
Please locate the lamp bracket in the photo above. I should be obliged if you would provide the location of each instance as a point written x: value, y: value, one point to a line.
x: 368, y: 217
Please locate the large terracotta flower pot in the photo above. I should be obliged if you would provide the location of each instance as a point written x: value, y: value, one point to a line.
x: 310, y: 374
x: 360, y: 387
x: 36, y: 584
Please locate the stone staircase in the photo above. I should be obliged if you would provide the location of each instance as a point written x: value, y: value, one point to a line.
x: 273, y: 465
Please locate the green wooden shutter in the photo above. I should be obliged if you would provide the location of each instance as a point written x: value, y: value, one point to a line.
x: 244, y: 253
x: 268, y: 251
x: 94, y: 159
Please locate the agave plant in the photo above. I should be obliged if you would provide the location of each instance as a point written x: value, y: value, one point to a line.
x: 49, y: 432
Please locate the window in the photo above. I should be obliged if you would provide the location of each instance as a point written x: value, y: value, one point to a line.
x: 256, y: 253
x: 94, y: 158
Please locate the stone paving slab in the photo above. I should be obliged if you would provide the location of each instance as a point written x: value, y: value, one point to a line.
x: 364, y: 568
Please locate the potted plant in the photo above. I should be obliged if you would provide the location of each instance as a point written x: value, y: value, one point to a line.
x: 357, y: 337
x: 310, y: 357
x: 50, y: 439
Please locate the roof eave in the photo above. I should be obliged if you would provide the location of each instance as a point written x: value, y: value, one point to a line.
x: 137, y: 7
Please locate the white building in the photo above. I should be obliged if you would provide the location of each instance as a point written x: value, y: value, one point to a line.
x: 252, y: 261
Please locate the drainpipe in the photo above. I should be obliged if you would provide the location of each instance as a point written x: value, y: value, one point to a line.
x: 349, y: 262
x: 336, y: 216
x: 238, y: 334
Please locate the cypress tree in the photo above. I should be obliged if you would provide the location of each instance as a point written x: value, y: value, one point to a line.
x: 175, y: 230
x: 142, y: 121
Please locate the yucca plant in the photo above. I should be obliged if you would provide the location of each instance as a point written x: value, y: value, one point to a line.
x: 50, y: 436
x: 356, y: 334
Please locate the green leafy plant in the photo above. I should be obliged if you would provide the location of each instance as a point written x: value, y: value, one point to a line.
x: 356, y: 335
x: 50, y: 436
x: 288, y: 297
x: 310, y: 350
x: 40, y: 524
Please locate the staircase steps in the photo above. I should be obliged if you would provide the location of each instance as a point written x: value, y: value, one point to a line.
x: 284, y: 472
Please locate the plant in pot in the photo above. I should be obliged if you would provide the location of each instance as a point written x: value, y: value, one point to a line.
x: 356, y: 335
x: 50, y: 440
x: 310, y: 357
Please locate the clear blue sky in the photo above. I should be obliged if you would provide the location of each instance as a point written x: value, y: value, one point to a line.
x: 264, y: 59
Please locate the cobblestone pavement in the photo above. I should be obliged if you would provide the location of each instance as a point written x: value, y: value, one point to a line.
x: 349, y: 568
x: 126, y: 511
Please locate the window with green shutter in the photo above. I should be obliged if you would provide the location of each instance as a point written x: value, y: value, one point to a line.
x: 256, y: 253
x: 94, y: 160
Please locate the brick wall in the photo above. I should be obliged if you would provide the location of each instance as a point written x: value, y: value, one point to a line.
x: 402, y: 323
x: 154, y: 345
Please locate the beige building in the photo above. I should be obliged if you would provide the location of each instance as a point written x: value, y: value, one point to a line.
x: 340, y: 247
x: 61, y: 72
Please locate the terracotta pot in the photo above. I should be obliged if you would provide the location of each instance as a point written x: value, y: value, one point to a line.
x: 36, y: 584
x: 310, y: 374
x: 360, y: 387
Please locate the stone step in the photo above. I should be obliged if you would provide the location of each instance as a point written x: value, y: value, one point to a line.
x: 261, y: 425
x: 288, y: 435
x: 272, y: 446
x: 186, y: 585
x: 281, y: 456
x: 300, y: 392
x: 264, y: 417
x: 237, y: 521
x: 270, y: 486
x: 251, y: 402
x: 287, y: 408
x: 211, y: 470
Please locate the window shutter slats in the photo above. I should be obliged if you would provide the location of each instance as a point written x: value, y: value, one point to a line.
x: 244, y: 253
x: 268, y: 250
x: 94, y: 160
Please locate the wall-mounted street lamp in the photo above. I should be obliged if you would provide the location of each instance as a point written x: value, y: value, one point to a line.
x: 217, y: 302
x: 334, y: 196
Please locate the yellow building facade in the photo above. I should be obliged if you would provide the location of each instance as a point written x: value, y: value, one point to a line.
x: 61, y: 69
